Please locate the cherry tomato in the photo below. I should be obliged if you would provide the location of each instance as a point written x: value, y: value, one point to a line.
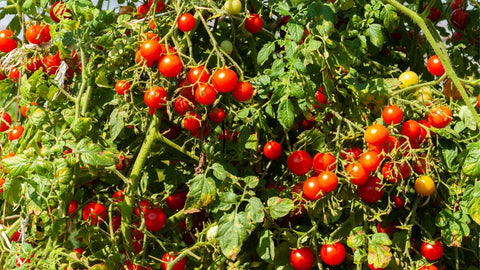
x: 224, y: 80
x: 478, y: 101
x: 376, y: 134
x: 26, y: 107
x: 52, y: 63
x: 159, y: 7
x: 321, y: 99
x: 6, y: 121
x: 122, y: 87
x: 155, y: 97
x: 312, y: 189
x: 459, y: 18
x: 432, y: 251
x: 170, y: 65
x: 299, y: 162
x: 37, y: 34
x: 435, y: 66
x: 327, y: 181
x: 424, y: 95
x: 151, y: 50
x: 198, y: 75
x: 118, y: 196
x: 243, y: 91
x: 7, y: 42
x: 408, y: 78
x: 60, y: 11
x: 167, y: 258
x: 333, y: 254
x: 371, y: 191
x: 430, y: 267
x: 371, y: 267
x: 424, y: 185
x: 95, y: 213
x: 398, y: 201
x: 182, y: 105
x: 15, y: 133
x: 440, y: 117
x: 217, y: 115
x: 324, y: 162
x: 351, y: 154
x: 254, y: 23
x: 155, y: 219
x: 186, y: 22
x: 392, y: 115
x: 389, y: 229
x: 411, y: 129
x: 14, y: 74
x: 34, y: 63
x: 192, y: 121
x: 226, y: 46
x: 395, y: 172
x: 144, y: 205
x: 2, y: 182
x: 357, y: 174
x: 272, y: 150
x: 434, y: 14
x: 177, y: 201
x: 447, y: 89
x: 139, y: 59
x: 205, y: 94
x: 233, y: 7
x: 72, y: 207
x: 302, y: 258
x: 370, y: 161
x: 142, y: 11
x: 456, y: 4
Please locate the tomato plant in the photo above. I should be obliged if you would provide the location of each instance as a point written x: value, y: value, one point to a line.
x: 186, y: 22
x: 299, y: 162
x: 432, y: 251
x: 302, y: 258
x: 254, y: 23
x: 272, y: 150
x: 333, y: 254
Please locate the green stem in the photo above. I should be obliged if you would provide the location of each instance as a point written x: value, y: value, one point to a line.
x: 417, y: 86
x: 86, y: 100
x: 252, y: 43
x: 84, y: 82
x: 135, y: 175
x: 178, y: 148
x: 441, y: 54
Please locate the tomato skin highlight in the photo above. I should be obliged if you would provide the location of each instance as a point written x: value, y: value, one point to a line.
x: 392, y: 115
x: 328, y: 181
x: 376, y: 134
x: 15, y: 133
x: 7, y: 42
x: 440, y: 117
x: 299, y: 162
x: 186, y: 22
x: 432, y: 251
x: 272, y: 150
x: 333, y: 254
x: 435, y: 66
x: 302, y: 258
x: 224, y: 80
x: 312, y: 189
x: 122, y: 87
x: 170, y: 65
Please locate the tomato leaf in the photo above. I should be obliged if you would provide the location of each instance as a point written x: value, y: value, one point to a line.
x: 265, y: 52
x: 279, y: 207
x: 16, y: 165
x: 448, y: 154
x: 117, y: 122
x: 251, y: 181
x: 453, y: 226
x: 290, y: 48
x: 282, y: 8
x: 266, y: 246
x: 467, y: 118
x: 381, y: 239
x: 359, y: 256
x: 378, y: 252
x: 233, y: 229
x: 357, y: 238
x: 295, y: 30
x: 471, y: 166
x: 226, y: 200
x: 219, y: 171
x: 390, y: 18
x: 203, y: 191
x: 285, y: 113
x: 254, y: 210
x: 92, y: 154
x: 472, y: 198
x: 12, y: 189
x: 375, y: 33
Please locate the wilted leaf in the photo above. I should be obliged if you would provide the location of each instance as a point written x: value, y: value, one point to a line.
x: 203, y: 191
x: 233, y: 229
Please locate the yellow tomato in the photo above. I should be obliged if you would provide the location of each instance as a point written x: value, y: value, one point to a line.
x: 424, y: 185
x: 408, y: 78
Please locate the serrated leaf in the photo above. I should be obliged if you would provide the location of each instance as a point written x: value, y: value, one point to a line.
x: 12, y: 189
x: 299, y: 66
x: 448, y: 154
x: 295, y: 30
x: 254, y: 210
x: 467, y: 118
x: 279, y: 207
x: 203, y: 191
x: 266, y: 246
x: 285, y: 114
x: 282, y: 8
x: 453, y: 226
x: 390, y: 18
x: 106, y: 40
x: 226, y: 200
x: 278, y: 68
x: 265, y: 52
x: 101, y: 80
x: 219, y: 171
x: 251, y: 181
x: 378, y: 255
x: 117, y: 122
x: 290, y: 48
x: 16, y: 165
x: 295, y: 90
x: 356, y: 238
x: 471, y: 166
x: 92, y: 154
x: 381, y: 239
x: 375, y: 33
x: 233, y: 229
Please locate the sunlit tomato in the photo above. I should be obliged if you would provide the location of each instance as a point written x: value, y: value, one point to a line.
x: 192, y: 121
x: 177, y: 201
x: 424, y: 130
x: 6, y: 121
x: 59, y: 11
x: 320, y: 97
x: 52, y: 63
x: 456, y: 4
x: 34, y: 63
x: 327, y: 181
x: 142, y: 10
x: 440, y: 117
x: 352, y: 154
x: 459, y: 18
x: 388, y: 229
x: 170, y: 65
x: 182, y: 105
x: 243, y: 91
x: 411, y: 129
x: 14, y: 74
x: 118, y: 196
x: 155, y: 97
x: 432, y: 251
x: 233, y: 7
x: 254, y: 23
x: 357, y: 174
x: 155, y: 219
x: 430, y: 267
x: 7, y: 42
x: 435, y: 66
x: 408, y: 78
x: 376, y: 134
x: 186, y: 22
x: 95, y: 213
x: 299, y: 162
x: 198, y: 75
x: 167, y: 258
x: 205, y: 94
x: 26, y: 107
x: 370, y: 161
x: 371, y: 191
x: 272, y: 150
x: 72, y: 207
x: 424, y: 185
x: 139, y: 59
x: 324, y: 162
x: 302, y: 258
x: 392, y: 115
x: 33, y: 34
x: 217, y: 115
x: 15, y: 133
x: 159, y: 7
x: 396, y: 171
x: 151, y: 50
x: 424, y: 95
x: 224, y: 80
x: 122, y: 87
x: 312, y: 189
x: 333, y: 254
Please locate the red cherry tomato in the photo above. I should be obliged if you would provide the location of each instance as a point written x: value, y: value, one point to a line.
x: 155, y: 219
x: 272, y: 150
x: 389, y: 229
x: 435, y: 66
x: 411, y: 129
x: 357, y: 174
x: 170, y: 65
x: 371, y: 191
x: 34, y: 63
x: 392, y: 115
x: 224, y: 80
x: 7, y: 42
x: 6, y: 121
x: 376, y: 134
x: 167, y: 258
x: 431, y: 251
x: 302, y: 258
x: 198, y: 75
x: 72, y: 207
x: 52, y: 63
x: 327, y: 181
x: 205, y: 94
x: 398, y: 201
x: 15, y: 133
x: 370, y: 161
x: 333, y: 254
x: 324, y: 162
x: 95, y: 213
x: 430, y: 267
x: 217, y: 115
x: 14, y: 74
x: 299, y: 162
x: 182, y: 105
x: 456, y: 4
x: 177, y: 201
x: 26, y: 107
x: 186, y: 22
x: 321, y: 99
x: 151, y: 50
x: 396, y: 172
x: 155, y: 97
x: 254, y: 23
x: 192, y: 121
x: 243, y: 91
x: 59, y: 11
x: 122, y: 87
x: 312, y: 189
x: 159, y: 7
x: 459, y: 18
x: 142, y: 11
x: 352, y: 154
x: 440, y: 117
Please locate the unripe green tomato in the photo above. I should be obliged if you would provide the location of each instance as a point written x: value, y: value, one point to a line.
x: 233, y: 7
x: 424, y: 94
x: 226, y: 46
x: 347, y: 4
